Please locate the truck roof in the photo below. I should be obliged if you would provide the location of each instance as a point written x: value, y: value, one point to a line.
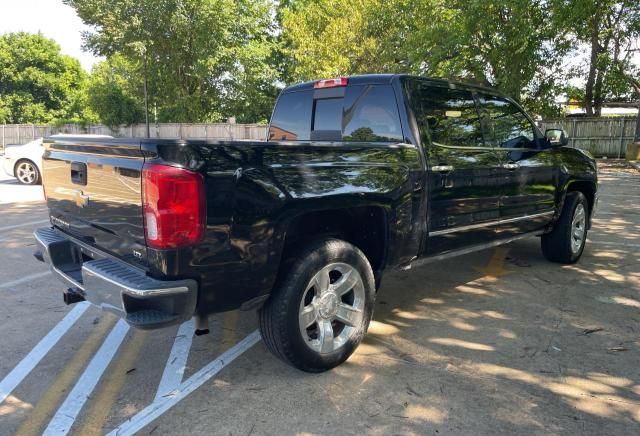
x: 381, y: 79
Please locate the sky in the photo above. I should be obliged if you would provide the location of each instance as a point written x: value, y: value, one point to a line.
x: 53, y: 19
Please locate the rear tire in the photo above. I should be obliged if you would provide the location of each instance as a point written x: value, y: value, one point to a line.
x: 27, y: 172
x: 318, y: 314
x: 565, y: 243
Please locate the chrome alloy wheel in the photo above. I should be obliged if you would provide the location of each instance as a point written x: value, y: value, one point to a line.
x: 331, y: 308
x: 578, y: 228
x: 26, y: 173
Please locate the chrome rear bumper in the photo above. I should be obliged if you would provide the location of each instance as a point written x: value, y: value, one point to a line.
x: 114, y: 285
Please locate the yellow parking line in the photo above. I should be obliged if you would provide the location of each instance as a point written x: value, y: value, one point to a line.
x: 112, y: 385
x: 60, y: 386
x: 496, y: 265
x: 229, y: 329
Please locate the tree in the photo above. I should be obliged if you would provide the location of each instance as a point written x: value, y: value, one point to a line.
x: 610, y: 29
x: 115, y: 92
x: 329, y: 38
x: 509, y: 44
x: 194, y: 52
x: 37, y: 83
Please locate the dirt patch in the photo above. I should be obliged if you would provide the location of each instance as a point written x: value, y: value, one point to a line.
x: 619, y: 165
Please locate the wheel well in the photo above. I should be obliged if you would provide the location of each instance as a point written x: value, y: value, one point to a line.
x: 587, y: 188
x: 364, y: 227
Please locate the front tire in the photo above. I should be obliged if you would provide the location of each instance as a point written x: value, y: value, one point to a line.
x: 318, y: 314
x: 27, y: 172
x: 565, y: 243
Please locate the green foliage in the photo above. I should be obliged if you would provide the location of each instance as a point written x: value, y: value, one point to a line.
x: 115, y: 90
x: 208, y: 60
x: 328, y: 38
x: 611, y: 31
x: 511, y: 45
x: 204, y: 59
x: 37, y: 83
x: 508, y: 44
x: 518, y: 46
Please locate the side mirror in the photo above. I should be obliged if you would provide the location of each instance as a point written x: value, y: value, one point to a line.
x: 556, y: 137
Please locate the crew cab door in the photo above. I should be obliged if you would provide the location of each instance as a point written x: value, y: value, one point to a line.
x: 528, y: 198
x: 464, y: 175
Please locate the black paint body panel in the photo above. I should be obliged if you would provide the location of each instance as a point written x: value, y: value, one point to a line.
x: 255, y: 189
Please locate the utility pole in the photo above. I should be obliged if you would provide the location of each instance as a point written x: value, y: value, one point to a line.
x: 637, y: 135
x: 146, y: 98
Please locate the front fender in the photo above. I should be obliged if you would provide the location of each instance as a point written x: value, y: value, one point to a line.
x: 574, y: 167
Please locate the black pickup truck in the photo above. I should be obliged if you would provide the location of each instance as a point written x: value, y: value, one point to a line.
x: 358, y: 175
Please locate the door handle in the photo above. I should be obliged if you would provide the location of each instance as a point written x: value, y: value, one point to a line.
x: 511, y: 166
x: 442, y: 168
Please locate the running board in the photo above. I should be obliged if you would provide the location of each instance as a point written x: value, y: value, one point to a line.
x: 454, y: 253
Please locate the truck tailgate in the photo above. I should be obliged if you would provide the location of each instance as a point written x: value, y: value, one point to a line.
x: 93, y: 189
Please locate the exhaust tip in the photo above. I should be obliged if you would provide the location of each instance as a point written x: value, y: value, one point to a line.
x: 38, y: 255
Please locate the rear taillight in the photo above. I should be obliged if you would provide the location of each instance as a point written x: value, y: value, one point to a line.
x: 173, y: 206
x: 330, y: 83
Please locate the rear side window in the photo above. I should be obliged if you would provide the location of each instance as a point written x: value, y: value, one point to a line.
x: 371, y: 114
x: 291, y: 120
x: 448, y: 115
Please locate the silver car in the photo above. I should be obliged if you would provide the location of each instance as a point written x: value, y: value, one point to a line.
x: 24, y: 161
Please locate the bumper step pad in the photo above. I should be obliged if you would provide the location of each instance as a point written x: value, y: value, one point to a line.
x: 144, y: 318
x: 116, y: 286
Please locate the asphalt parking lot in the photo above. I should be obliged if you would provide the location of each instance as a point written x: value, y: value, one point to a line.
x: 497, y: 341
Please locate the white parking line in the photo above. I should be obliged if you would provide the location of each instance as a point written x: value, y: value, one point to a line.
x: 157, y: 408
x: 30, y: 223
x: 177, y: 361
x: 24, y: 279
x: 26, y: 365
x: 66, y: 415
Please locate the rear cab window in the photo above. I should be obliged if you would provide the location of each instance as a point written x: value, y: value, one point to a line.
x: 356, y: 113
x: 291, y: 119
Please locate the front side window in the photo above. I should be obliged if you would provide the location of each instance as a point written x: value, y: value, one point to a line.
x: 505, y: 126
x: 448, y: 116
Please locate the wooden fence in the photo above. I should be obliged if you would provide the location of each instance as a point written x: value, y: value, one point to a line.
x: 23, y: 133
x: 601, y: 136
